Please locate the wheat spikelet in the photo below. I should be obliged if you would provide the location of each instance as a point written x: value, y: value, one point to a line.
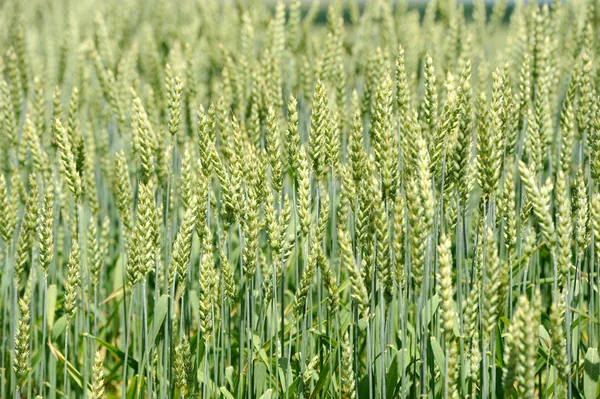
x: 98, y: 377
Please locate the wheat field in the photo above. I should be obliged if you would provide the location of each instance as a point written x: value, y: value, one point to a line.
x: 248, y: 199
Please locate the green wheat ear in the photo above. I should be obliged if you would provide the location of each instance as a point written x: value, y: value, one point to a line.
x: 227, y: 270
x: 564, y: 228
x: 307, y: 375
x: 540, y: 198
x: 182, y: 247
x: 320, y: 129
x: 304, y: 193
x: 98, y: 377
x: 67, y: 158
x: 348, y: 382
x: 384, y: 139
x: 73, y: 282
x: 359, y: 290
x: 22, y: 344
x: 8, y: 219
x: 144, y: 235
x: 446, y: 288
x: 520, y: 358
x: 183, y: 364
x: 206, y: 276
x: 46, y: 230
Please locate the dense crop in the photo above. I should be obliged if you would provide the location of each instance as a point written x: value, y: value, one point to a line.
x: 214, y: 199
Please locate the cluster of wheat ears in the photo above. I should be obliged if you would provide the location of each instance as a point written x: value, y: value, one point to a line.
x: 238, y: 199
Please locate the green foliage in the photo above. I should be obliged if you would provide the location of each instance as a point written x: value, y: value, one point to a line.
x: 222, y: 199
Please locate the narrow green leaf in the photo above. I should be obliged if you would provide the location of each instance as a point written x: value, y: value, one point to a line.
x: 59, y: 327
x: 51, y: 305
x: 591, y: 372
x: 132, y: 391
x: 73, y: 372
x: 438, y: 353
x: 391, y: 378
x: 160, y: 311
x: 226, y: 393
x: 116, y: 351
x: 430, y: 309
x: 260, y: 374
